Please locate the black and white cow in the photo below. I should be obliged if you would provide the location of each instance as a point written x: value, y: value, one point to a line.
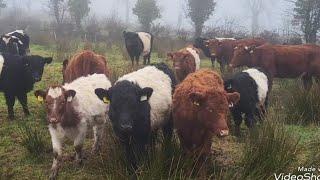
x: 140, y: 104
x: 16, y: 42
x: 254, y: 86
x: 200, y: 44
x: 17, y: 77
x: 137, y: 44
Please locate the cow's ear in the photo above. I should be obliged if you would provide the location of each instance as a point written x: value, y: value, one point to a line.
x: 145, y: 94
x: 48, y: 60
x: 69, y: 95
x: 40, y: 95
x: 170, y: 55
x: 103, y: 95
x: 196, y: 98
x: 233, y: 98
x: 65, y: 63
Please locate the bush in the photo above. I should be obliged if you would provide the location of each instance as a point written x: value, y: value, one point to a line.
x: 304, y: 106
x: 32, y: 139
x: 270, y: 148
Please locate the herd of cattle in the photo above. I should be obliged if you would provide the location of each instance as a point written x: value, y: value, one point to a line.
x: 194, y: 101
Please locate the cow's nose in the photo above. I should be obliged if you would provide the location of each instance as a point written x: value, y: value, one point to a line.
x: 224, y: 133
x: 53, y: 120
x: 126, y: 128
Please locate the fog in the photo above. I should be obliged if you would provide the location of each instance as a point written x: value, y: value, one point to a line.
x: 173, y: 11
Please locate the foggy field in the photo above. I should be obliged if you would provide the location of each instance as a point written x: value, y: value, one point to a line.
x: 229, y: 155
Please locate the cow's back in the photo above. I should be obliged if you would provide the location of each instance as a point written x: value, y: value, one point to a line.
x: 83, y: 64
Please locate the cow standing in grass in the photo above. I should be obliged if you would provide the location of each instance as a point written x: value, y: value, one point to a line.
x: 185, y: 61
x: 16, y: 42
x: 140, y: 104
x: 18, y: 74
x: 281, y: 61
x: 70, y: 109
x: 254, y: 86
x: 200, y: 109
x: 137, y: 44
x: 83, y: 64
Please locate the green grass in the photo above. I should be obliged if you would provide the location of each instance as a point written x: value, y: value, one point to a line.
x: 231, y: 157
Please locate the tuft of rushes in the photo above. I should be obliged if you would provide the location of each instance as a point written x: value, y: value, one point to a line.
x: 303, y: 107
x: 269, y: 148
x: 32, y: 139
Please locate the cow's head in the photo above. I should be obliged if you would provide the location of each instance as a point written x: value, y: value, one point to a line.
x: 57, y: 99
x: 129, y: 109
x: 35, y: 65
x: 215, y: 47
x: 183, y: 62
x: 213, y: 107
x: 242, y: 55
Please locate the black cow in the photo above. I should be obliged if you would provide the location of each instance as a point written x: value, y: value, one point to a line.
x: 16, y: 42
x: 200, y: 44
x: 17, y: 77
x: 137, y: 44
x: 254, y: 86
x: 140, y: 104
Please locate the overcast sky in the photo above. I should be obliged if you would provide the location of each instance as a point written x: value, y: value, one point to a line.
x: 171, y: 10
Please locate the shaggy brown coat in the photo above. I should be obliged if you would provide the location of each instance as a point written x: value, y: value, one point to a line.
x: 200, y: 108
x: 83, y: 64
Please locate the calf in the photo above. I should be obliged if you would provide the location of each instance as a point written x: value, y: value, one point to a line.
x: 70, y: 109
x: 185, y: 61
x: 253, y: 86
x: 137, y: 44
x: 83, y: 64
x: 281, y: 61
x: 223, y: 50
x: 200, y: 108
x: 140, y: 104
x: 17, y: 77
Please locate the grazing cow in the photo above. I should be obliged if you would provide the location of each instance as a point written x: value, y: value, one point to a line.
x: 200, y: 44
x: 253, y: 86
x: 185, y: 61
x: 137, y: 44
x: 200, y: 109
x: 70, y: 109
x: 281, y: 61
x: 140, y: 104
x: 83, y: 64
x: 223, y: 50
x: 17, y: 77
x: 24, y: 47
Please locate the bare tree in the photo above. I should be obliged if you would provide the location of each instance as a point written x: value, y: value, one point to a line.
x: 200, y: 11
x: 58, y: 9
x: 307, y: 13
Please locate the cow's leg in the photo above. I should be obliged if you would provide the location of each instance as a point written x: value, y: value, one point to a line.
x: 307, y: 81
x: 57, y: 153
x: 250, y: 120
x: 213, y: 59
x: 237, y: 117
x: 23, y: 99
x: 78, y: 142
x: 98, y: 132
x: 137, y: 60
x: 132, y: 60
x: 149, y: 58
x: 10, y: 99
x: 145, y: 58
x: 222, y: 66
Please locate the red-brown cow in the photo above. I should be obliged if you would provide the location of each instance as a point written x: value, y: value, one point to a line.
x: 200, y: 108
x: 83, y: 64
x: 223, y: 50
x: 185, y: 61
x: 281, y: 61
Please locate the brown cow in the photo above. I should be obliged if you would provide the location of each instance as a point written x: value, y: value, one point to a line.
x: 185, y: 61
x: 223, y: 49
x: 200, y: 108
x: 83, y: 64
x: 281, y: 61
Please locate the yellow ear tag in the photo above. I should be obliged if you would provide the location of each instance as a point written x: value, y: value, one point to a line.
x: 40, y: 98
x: 106, y: 100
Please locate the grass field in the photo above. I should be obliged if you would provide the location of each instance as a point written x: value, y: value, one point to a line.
x: 276, y: 146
